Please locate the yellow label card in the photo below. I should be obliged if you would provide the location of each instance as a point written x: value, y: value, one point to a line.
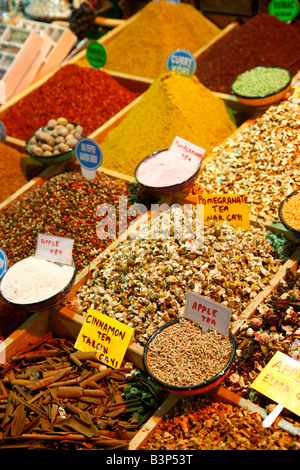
x: 109, y: 337
x: 280, y: 381
x: 230, y: 208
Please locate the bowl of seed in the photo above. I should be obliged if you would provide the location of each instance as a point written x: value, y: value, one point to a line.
x: 289, y: 213
x: 37, y: 284
x: 183, y: 359
x: 55, y: 142
x: 262, y: 85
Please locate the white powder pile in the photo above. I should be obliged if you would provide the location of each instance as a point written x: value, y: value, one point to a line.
x: 33, y: 280
x: 160, y: 170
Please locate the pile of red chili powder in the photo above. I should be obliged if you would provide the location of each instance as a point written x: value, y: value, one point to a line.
x: 262, y: 40
x: 87, y: 96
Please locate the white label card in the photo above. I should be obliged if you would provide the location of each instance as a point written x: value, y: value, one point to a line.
x: 208, y: 313
x: 187, y: 151
x: 53, y: 248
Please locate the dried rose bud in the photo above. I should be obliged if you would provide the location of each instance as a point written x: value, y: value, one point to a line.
x: 256, y: 323
x: 265, y: 338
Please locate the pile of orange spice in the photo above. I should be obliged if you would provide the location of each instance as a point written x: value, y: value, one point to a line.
x: 291, y: 211
x: 14, y: 170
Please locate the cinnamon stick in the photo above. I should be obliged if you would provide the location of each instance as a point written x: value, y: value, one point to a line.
x: 48, y: 380
x: 78, y: 392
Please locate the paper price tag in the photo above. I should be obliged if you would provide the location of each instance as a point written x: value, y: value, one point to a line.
x: 280, y: 381
x: 107, y: 336
x: 190, y: 153
x: 230, y: 208
x: 208, y: 313
x: 53, y: 248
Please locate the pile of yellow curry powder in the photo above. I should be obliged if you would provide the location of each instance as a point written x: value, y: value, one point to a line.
x: 174, y: 105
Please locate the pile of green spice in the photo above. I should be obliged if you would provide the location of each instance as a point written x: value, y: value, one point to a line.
x: 86, y: 96
x: 66, y: 205
x: 172, y: 106
x: 262, y: 40
x: 261, y: 81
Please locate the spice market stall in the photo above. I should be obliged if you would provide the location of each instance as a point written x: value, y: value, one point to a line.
x: 142, y: 281
x: 143, y: 304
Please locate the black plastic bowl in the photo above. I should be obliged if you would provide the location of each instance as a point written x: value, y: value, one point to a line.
x: 50, y: 301
x: 167, y: 190
x: 263, y: 100
x: 293, y: 231
x: 192, y: 389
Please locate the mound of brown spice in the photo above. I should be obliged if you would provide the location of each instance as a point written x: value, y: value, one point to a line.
x: 262, y: 160
x: 183, y: 355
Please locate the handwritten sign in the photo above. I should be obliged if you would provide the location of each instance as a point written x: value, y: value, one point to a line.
x: 188, y: 152
x: 280, y: 381
x: 3, y: 263
x: 105, y: 335
x: 182, y: 62
x: 208, y: 313
x: 53, y: 248
x: 230, y: 208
